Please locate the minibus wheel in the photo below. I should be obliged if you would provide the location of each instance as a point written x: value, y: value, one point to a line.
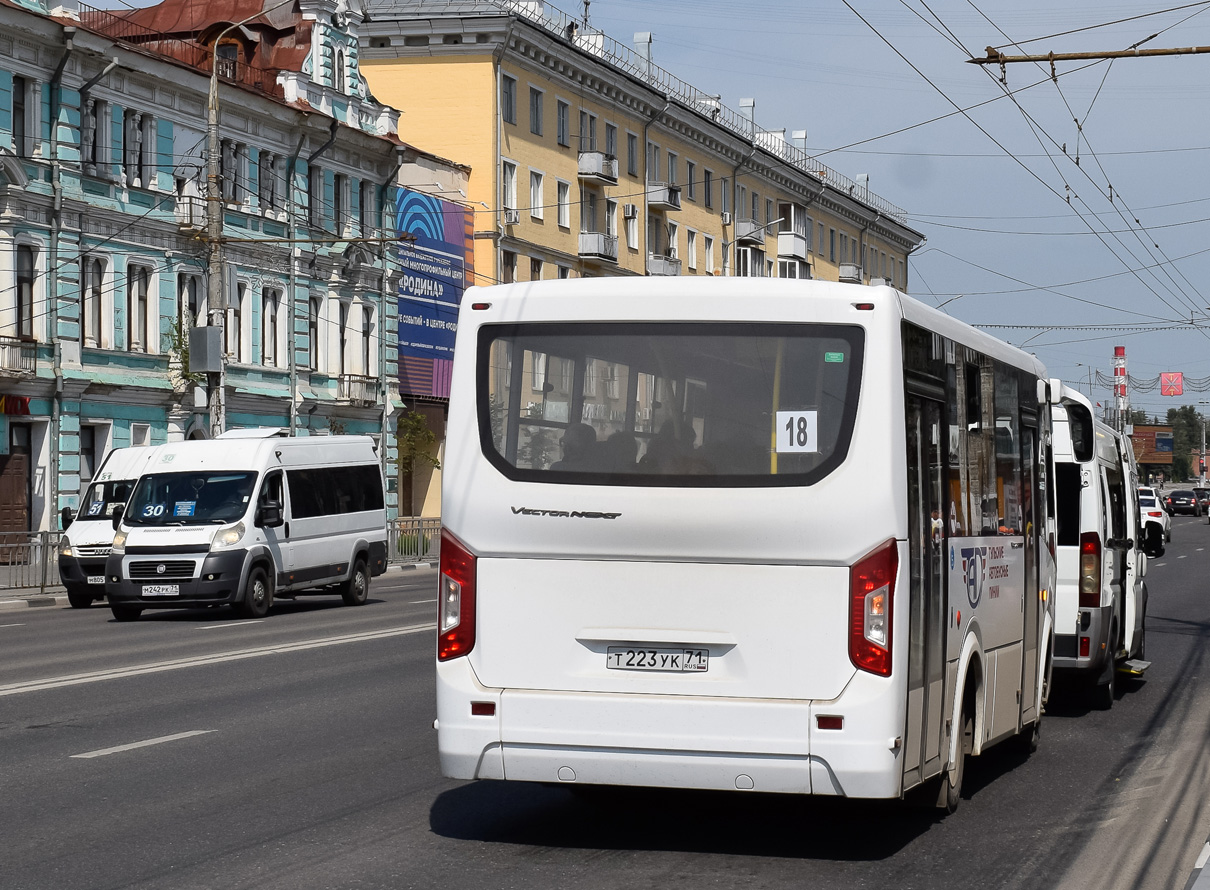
x: 951, y: 781
x: 257, y: 596
x: 357, y: 589
x: 126, y: 613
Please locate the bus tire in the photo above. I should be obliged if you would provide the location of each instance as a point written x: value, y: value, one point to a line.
x: 258, y: 595
x: 356, y: 590
x: 951, y: 781
x: 79, y: 599
x: 125, y: 613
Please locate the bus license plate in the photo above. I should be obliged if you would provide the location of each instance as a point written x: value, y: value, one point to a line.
x: 161, y: 590
x: 680, y: 660
x: 96, y: 579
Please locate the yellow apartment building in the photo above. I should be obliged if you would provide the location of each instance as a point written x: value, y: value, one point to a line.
x: 588, y: 159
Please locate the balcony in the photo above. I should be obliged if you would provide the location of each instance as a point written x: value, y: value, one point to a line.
x: 596, y: 166
x: 749, y: 231
x: 598, y: 246
x: 357, y: 389
x: 657, y: 264
x: 17, y: 357
x: 191, y: 212
x: 791, y: 245
x: 662, y: 196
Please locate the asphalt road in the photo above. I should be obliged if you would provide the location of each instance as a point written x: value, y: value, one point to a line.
x: 297, y: 752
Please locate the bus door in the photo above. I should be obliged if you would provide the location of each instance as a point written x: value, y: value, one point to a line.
x: 1032, y: 631
x: 927, y: 617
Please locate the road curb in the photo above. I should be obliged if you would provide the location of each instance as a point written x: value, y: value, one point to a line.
x: 28, y: 602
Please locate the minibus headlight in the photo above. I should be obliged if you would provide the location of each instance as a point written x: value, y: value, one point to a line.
x: 228, y: 536
x: 119, y: 542
x: 64, y: 546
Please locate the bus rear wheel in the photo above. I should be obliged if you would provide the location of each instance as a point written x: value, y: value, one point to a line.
x: 951, y: 782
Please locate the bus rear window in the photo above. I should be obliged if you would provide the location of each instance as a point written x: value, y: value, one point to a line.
x: 668, y: 403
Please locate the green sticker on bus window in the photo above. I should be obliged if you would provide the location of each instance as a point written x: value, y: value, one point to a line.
x: 833, y: 356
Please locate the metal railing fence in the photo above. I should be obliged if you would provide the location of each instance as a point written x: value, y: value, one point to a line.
x: 413, y: 539
x: 29, y: 560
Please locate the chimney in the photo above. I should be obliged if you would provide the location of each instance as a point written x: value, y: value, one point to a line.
x: 642, y: 46
x: 748, y: 107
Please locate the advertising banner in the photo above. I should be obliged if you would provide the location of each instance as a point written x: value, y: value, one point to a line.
x: 435, y: 264
x: 1152, y: 444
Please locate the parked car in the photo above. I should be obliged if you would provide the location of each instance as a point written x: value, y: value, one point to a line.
x: 1156, y: 525
x: 1203, y: 498
x: 1183, y: 500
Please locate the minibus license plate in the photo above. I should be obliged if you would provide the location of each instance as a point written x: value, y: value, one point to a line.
x: 96, y: 579
x: 161, y: 590
x: 680, y: 660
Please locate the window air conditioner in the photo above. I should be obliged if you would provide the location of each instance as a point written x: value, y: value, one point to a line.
x: 726, y: 215
x: 630, y: 211
x: 511, y: 217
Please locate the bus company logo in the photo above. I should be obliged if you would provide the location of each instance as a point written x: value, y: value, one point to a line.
x: 974, y: 572
x: 564, y: 514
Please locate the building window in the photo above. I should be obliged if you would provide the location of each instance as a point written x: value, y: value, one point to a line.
x: 588, y: 211
x: 588, y: 131
x: 189, y: 301
x: 724, y: 188
x: 632, y: 232
x: 138, y: 297
x: 691, y: 180
x: 563, y: 123
x: 535, y: 111
x: 673, y: 238
x: 92, y: 283
x: 844, y: 247
x: 340, y: 202
x: 671, y: 168
x: 831, y: 245
x: 769, y: 217
x: 140, y: 435
x: 632, y: 154
x: 536, y: 198
x: 611, y: 218
x: 342, y: 336
x: 653, y: 161
x: 611, y: 140
x: 25, y: 291
x: 708, y: 188
x: 708, y: 253
x: 24, y: 129
x: 508, y: 267
x: 508, y: 99
x: 270, y: 302
x: 313, y: 308
x: 564, y: 199
x: 233, y: 330
x: 315, y: 196
x: 535, y: 269
x: 509, y: 170
x: 88, y: 454
x: 564, y: 272
x: 691, y: 249
x: 367, y: 340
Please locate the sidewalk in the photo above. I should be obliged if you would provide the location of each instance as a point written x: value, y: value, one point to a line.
x: 27, y: 597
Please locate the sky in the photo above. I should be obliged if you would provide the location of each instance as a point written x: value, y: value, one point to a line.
x: 1081, y: 203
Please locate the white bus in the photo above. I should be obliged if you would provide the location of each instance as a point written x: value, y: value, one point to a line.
x: 755, y: 534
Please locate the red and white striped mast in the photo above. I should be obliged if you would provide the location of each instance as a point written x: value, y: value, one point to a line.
x: 1121, y: 399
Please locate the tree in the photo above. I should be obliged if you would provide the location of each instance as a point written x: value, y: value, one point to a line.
x: 416, y: 444
x: 1186, y: 425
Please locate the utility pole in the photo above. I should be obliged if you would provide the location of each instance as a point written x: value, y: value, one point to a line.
x: 216, y: 303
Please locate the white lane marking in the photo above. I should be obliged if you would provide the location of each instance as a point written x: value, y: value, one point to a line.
x: 217, y: 658
x: 161, y: 740
x: 22, y: 625
x: 1158, y: 564
x: 1203, y: 856
x: 231, y: 624
x: 1182, y: 556
x: 417, y: 602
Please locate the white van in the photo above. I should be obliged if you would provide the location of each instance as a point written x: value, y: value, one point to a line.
x: 84, y: 544
x: 1100, y: 596
x: 247, y: 517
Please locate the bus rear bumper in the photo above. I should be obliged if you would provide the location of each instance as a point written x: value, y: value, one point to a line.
x: 665, y: 741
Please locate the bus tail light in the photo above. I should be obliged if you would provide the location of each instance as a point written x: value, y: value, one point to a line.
x: 456, y: 604
x: 871, y: 604
x: 1090, y: 570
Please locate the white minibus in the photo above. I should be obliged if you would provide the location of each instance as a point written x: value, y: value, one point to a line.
x: 1100, y: 595
x: 87, y: 535
x: 736, y: 533
x: 248, y: 517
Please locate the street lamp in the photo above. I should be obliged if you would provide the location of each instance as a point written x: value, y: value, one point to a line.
x: 216, y: 304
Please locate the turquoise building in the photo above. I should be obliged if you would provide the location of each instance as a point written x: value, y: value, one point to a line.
x: 104, y: 247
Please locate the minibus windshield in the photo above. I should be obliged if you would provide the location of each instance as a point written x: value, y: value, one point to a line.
x: 102, y: 498
x: 195, y: 498
x: 687, y: 404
